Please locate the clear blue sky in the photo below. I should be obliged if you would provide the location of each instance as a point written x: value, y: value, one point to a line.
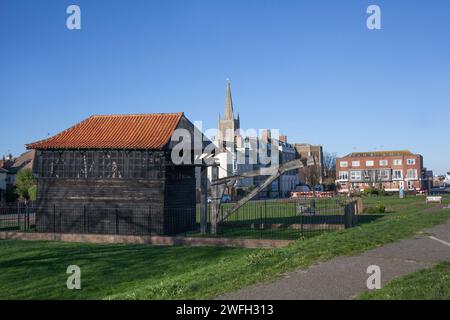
x: 310, y: 68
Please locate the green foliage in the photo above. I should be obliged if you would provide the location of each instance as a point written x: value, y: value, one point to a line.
x: 25, y: 185
x: 371, y: 191
x: 377, y: 208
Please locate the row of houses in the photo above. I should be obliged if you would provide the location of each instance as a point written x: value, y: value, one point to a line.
x: 9, y: 167
x: 391, y: 171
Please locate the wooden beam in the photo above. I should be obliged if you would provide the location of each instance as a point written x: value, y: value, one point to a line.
x: 203, y: 199
x: 275, y: 173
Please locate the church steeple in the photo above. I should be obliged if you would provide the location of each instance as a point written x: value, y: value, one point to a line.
x: 228, y: 103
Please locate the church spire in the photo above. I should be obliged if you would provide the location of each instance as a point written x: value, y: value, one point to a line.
x: 228, y: 103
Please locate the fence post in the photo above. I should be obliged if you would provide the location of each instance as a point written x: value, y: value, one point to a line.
x: 84, y: 219
x: 149, y: 222
x: 54, y: 218
x: 349, y: 214
x: 203, y: 199
x: 261, y: 226
x: 27, y: 213
x: 117, y: 221
x: 355, y: 214
x: 18, y: 216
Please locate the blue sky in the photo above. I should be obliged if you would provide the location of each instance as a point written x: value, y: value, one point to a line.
x: 310, y: 68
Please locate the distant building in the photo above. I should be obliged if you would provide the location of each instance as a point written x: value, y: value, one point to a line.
x: 390, y: 170
x: 25, y: 161
x: 3, y: 179
x: 312, y: 157
x: 447, y: 178
x: 235, y: 151
x: 286, y: 183
x: 10, y: 167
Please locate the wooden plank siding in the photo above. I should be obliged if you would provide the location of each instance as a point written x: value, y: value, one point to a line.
x: 163, y: 203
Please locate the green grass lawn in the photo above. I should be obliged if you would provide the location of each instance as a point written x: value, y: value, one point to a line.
x: 277, y: 216
x: 428, y: 284
x: 36, y: 270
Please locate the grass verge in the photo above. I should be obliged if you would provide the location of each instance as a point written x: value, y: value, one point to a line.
x: 36, y: 270
x: 428, y: 284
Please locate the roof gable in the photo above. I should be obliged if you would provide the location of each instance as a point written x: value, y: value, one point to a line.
x: 132, y: 131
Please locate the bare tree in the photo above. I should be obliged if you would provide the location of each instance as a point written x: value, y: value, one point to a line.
x: 311, y: 175
x: 329, y: 164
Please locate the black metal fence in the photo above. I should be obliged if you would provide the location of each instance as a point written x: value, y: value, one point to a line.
x: 18, y: 216
x: 287, y: 218
x: 260, y: 219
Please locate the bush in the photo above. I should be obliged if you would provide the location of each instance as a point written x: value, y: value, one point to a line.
x: 25, y: 185
x: 371, y: 191
x: 378, y: 208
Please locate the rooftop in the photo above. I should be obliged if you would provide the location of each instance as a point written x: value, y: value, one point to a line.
x: 379, y: 154
x: 130, y: 131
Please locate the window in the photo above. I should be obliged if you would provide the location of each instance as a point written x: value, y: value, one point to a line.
x: 355, y: 175
x: 411, y: 161
x: 370, y: 175
x: 369, y: 163
x: 343, y: 175
x: 397, y: 162
x: 397, y: 175
x: 344, y: 164
x: 384, y: 174
x: 355, y: 164
x: 411, y: 174
x: 383, y: 162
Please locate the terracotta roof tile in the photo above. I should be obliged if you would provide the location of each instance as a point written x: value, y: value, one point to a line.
x: 133, y: 131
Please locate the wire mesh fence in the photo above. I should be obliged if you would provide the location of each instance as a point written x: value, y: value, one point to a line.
x: 287, y: 218
x: 18, y: 216
x: 259, y: 219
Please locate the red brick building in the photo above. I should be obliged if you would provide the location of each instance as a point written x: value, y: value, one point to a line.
x: 389, y: 170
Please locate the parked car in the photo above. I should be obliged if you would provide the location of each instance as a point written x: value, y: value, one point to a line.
x: 422, y: 191
x: 226, y: 198
x: 302, y: 189
x: 440, y: 190
x: 319, y: 188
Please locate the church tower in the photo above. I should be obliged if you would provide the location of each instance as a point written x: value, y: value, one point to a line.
x: 228, y: 140
x: 229, y: 125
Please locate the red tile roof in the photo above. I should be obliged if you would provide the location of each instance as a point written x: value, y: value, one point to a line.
x: 133, y: 131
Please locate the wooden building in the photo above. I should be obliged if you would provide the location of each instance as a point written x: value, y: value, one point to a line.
x: 113, y: 174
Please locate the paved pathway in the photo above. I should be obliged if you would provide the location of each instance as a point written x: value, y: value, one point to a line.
x: 345, y: 277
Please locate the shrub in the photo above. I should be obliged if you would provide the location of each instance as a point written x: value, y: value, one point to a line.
x: 371, y: 191
x: 378, y: 208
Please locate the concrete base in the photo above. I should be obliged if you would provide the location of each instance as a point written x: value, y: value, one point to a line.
x: 152, y: 240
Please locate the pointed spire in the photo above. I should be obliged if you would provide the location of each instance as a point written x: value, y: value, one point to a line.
x: 228, y: 103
